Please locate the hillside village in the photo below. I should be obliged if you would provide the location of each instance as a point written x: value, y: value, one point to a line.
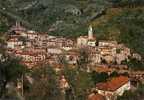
x: 35, y: 49
x: 71, y: 50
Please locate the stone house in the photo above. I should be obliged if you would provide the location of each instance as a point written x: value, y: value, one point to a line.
x: 113, y: 87
x: 13, y: 42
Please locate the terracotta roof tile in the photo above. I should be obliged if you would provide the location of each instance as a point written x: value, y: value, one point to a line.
x: 113, y: 84
x: 96, y: 97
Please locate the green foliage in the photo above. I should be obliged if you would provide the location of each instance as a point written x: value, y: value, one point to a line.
x: 99, y: 77
x: 80, y: 82
x: 83, y: 60
x: 3, y: 27
x: 103, y: 77
x: 129, y: 3
x: 114, y: 74
x: 46, y: 85
x: 131, y: 26
x: 3, y: 24
x: 118, y: 51
x: 41, y: 15
x: 136, y: 95
x: 127, y: 96
x: 134, y: 64
x: 10, y: 71
x: 125, y: 27
x: 83, y: 84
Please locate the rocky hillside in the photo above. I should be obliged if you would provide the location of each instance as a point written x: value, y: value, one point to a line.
x: 121, y: 20
x: 59, y: 15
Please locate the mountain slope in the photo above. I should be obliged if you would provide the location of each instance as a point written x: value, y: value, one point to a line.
x: 120, y: 20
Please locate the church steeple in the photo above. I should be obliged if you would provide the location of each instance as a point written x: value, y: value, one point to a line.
x: 18, y: 24
x: 90, y: 32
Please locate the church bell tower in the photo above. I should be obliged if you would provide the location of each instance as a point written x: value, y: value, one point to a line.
x: 90, y: 32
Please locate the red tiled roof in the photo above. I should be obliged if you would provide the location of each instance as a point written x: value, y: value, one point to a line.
x: 103, y: 69
x: 113, y: 84
x: 96, y: 97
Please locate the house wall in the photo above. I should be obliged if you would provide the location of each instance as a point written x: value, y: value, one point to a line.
x: 91, y: 43
x: 54, y: 51
x: 122, y: 89
x: 10, y: 45
x: 82, y: 41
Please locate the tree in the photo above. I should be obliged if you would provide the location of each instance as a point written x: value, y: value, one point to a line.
x: 10, y: 71
x: 133, y: 95
x: 80, y: 82
x: 114, y: 74
x: 135, y: 64
x: 46, y: 85
x: 127, y: 96
x: 10, y: 68
x: 3, y: 26
x: 83, y: 60
x: 99, y: 77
